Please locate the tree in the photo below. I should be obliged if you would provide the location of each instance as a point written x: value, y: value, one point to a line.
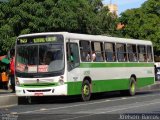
x: 143, y: 23
x: 32, y: 16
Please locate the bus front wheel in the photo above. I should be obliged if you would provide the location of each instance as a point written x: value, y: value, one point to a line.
x: 29, y: 99
x: 86, y: 90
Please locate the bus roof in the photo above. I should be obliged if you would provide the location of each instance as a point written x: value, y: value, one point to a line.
x: 77, y: 36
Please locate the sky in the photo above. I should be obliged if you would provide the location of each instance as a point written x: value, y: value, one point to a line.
x: 122, y: 4
x: 125, y: 4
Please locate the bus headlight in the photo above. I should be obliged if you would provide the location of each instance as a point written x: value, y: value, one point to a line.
x: 17, y: 82
x: 61, y: 81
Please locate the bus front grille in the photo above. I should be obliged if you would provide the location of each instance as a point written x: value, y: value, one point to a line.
x: 46, y: 90
x: 39, y: 85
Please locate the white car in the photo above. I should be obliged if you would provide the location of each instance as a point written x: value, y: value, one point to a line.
x: 158, y: 73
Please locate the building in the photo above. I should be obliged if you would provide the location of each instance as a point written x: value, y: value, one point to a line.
x: 120, y: 26
x: 113, y: 8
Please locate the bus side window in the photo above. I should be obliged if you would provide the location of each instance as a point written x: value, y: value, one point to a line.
x: 149, y: 54
x: 110, y: 52
x: 142, y: 53
x: 97, y: 51
x: 132, y: 52
x: 121, y: 52
x: 85, y: 51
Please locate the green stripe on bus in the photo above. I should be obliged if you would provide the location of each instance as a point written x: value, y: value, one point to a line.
x: 74, y: 88
x: 96, y: 65
x: 38, y: 85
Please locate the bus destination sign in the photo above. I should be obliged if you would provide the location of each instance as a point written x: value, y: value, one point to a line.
x: 31, y: 40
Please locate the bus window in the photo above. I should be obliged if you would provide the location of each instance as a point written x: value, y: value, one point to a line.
x: 27, y: 57
x: 121, y: 52
x: 149, y: 54
x: 85, y: 51
x: 132, y: 53
x: 97, y: 51
x: 42, y: 54
x: 110, y: 52
x: 142, y: 53
x: 51, y: 56
x: 72, y: 55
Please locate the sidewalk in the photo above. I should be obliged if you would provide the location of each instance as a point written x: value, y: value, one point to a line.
x: 2, y: 91
x: 7, y: 98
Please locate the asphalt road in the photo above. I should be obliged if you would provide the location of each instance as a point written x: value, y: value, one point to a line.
x: 108, y: 106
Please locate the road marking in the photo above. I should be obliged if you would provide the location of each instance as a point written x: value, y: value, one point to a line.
x: 85, y: 104
x: 120, y: 109
x: 123, y: 98
x: 147, y: 104
x: 43, y: 109
x: 78, y: 117
x: 13, y: 113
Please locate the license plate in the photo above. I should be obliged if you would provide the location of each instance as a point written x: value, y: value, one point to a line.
x: 38, y: 94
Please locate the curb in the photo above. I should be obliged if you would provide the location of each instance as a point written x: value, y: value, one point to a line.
x: 7, y: 100
x: 155, y: 86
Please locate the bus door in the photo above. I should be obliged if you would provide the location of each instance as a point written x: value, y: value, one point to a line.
x: 73, y: 63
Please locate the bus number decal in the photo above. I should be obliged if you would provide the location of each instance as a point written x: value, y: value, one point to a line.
x: 75, y: 78
x: 87, y: 73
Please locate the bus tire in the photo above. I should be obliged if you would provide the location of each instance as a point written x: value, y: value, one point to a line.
x: 21, y: 100
x: 132, y: 87
x: 29, y: 99
x: 86, y: 90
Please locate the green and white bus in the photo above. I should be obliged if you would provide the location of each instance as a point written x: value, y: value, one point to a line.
x: 61, y: 64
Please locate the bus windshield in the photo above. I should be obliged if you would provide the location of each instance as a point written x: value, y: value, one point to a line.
x: 40, y: 58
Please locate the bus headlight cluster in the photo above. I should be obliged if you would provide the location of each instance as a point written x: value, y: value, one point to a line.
x: 17, y: 82
x: 61, y: 80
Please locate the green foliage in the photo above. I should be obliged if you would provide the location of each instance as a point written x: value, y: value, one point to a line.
x: 143, y: 23
x: 32, y: 16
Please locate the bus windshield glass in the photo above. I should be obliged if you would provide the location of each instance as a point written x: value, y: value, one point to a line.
x: 41, y: 57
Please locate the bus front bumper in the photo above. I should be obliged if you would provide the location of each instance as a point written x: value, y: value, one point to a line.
x: 46, y: 91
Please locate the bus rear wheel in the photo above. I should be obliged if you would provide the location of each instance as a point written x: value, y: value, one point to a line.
x: 132, y: 87
x: 86, y: 90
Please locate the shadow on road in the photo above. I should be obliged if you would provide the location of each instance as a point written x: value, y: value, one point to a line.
x: 72, y: 99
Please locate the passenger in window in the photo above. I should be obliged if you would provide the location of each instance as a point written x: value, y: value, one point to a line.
x: 71, y: 57
x: 93, y: 56
x: 134, y: 58
x: 47, y: 58
x: 113, y: 57
x: 88, y: 57
x: 145, y: 58
x: 108, y: 56
x: 71, y: 61
x: 125, y: 58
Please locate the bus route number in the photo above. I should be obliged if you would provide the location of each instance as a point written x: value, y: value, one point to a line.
x: 22, y: 41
